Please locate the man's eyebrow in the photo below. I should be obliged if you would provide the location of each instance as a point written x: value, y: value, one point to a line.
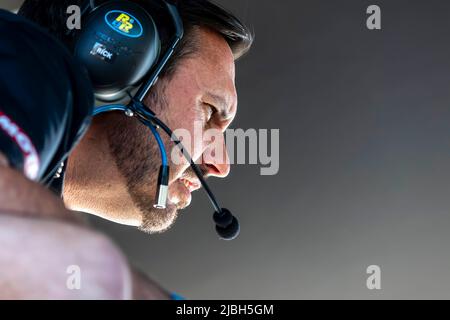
x: 222, y: 104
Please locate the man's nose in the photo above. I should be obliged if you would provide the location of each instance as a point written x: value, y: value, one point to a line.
x: 217, y: 165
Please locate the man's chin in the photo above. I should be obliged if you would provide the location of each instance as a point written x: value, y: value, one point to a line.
x: 159, y: 220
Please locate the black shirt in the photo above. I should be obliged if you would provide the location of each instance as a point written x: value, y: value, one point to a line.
x: 46, y: 100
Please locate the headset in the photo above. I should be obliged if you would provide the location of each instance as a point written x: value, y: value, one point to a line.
x: 120, y: 47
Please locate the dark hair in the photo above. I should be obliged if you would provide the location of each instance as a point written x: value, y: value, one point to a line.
x: 51, y: 15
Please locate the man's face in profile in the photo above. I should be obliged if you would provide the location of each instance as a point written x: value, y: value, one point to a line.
x: 200, y: 95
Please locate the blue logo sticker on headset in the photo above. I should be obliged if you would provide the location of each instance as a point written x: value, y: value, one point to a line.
x: 124, y: 23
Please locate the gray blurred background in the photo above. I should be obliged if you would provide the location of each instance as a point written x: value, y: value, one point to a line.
x: 364, y: 119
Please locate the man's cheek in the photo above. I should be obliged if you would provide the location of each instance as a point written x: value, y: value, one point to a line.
x: 192, y: 146
x: 176, y: 156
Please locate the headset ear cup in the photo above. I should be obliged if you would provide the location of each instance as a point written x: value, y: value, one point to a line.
x: 118, y: 44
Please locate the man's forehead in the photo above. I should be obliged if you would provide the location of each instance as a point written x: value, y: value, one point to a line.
x: 211, y: 69
x: 214, y: 49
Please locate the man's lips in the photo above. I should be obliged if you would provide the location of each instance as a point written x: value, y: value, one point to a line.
x: 180, y: 191
x: 191, y: 185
